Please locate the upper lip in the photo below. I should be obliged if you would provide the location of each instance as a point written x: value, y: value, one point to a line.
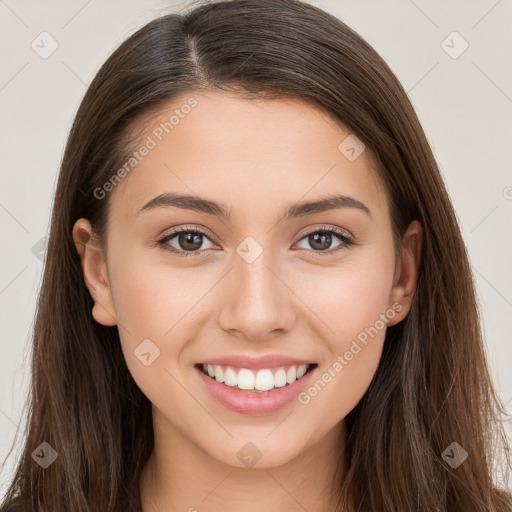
x: 256, y: 362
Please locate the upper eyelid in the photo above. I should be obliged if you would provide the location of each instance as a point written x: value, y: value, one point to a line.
x: 337, y: 230
x: 188, y: 229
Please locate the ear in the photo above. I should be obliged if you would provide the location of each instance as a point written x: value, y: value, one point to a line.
x: 406, y: 272
x: 94, y: 268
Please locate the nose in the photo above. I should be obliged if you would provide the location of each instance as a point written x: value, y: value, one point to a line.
x: 258, y: 303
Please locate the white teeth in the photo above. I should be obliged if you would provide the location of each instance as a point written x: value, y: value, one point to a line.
x: 219, y: 374
x: 291, y: 376
x: 262, y: 380
x: 230, y: 378
x: 280, y: 378
x: 301, y: 370
x: 245, y: 379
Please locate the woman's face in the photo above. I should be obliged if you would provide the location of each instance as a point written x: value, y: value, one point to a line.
x: 264, y: 280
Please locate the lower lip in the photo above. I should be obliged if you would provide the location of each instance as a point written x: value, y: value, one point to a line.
x: 247, y: 402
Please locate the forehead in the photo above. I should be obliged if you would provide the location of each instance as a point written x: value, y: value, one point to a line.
x: 244, y: 151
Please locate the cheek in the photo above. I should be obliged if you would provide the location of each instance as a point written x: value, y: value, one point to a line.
x: 156, y: 307
x: 151, y: 299
x: 352, y: 302
x: 351, y: 297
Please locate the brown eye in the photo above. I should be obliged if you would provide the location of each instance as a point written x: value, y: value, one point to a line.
x: 321, y: 240
x: 189, y: 241
x: 185, y: 241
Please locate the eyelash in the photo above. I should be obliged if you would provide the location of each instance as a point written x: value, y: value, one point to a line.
x: 162, y: 243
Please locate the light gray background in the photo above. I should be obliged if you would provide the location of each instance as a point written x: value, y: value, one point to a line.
x: 464, y: 104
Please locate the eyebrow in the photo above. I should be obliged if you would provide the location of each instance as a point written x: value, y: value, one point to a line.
x: 300, y: 209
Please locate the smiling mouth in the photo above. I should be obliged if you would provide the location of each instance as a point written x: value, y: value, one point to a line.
x: 256, y: 381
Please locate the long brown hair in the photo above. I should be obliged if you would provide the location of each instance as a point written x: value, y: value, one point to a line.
x: 433, y: 386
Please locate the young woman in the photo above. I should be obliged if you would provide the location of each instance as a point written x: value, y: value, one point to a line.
x: 256, y: 293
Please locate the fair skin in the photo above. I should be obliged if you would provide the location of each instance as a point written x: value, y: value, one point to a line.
x: 257, y: 157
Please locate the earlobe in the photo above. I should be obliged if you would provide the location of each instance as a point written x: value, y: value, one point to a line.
x: 94, y: 269
x: 407, y: 269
